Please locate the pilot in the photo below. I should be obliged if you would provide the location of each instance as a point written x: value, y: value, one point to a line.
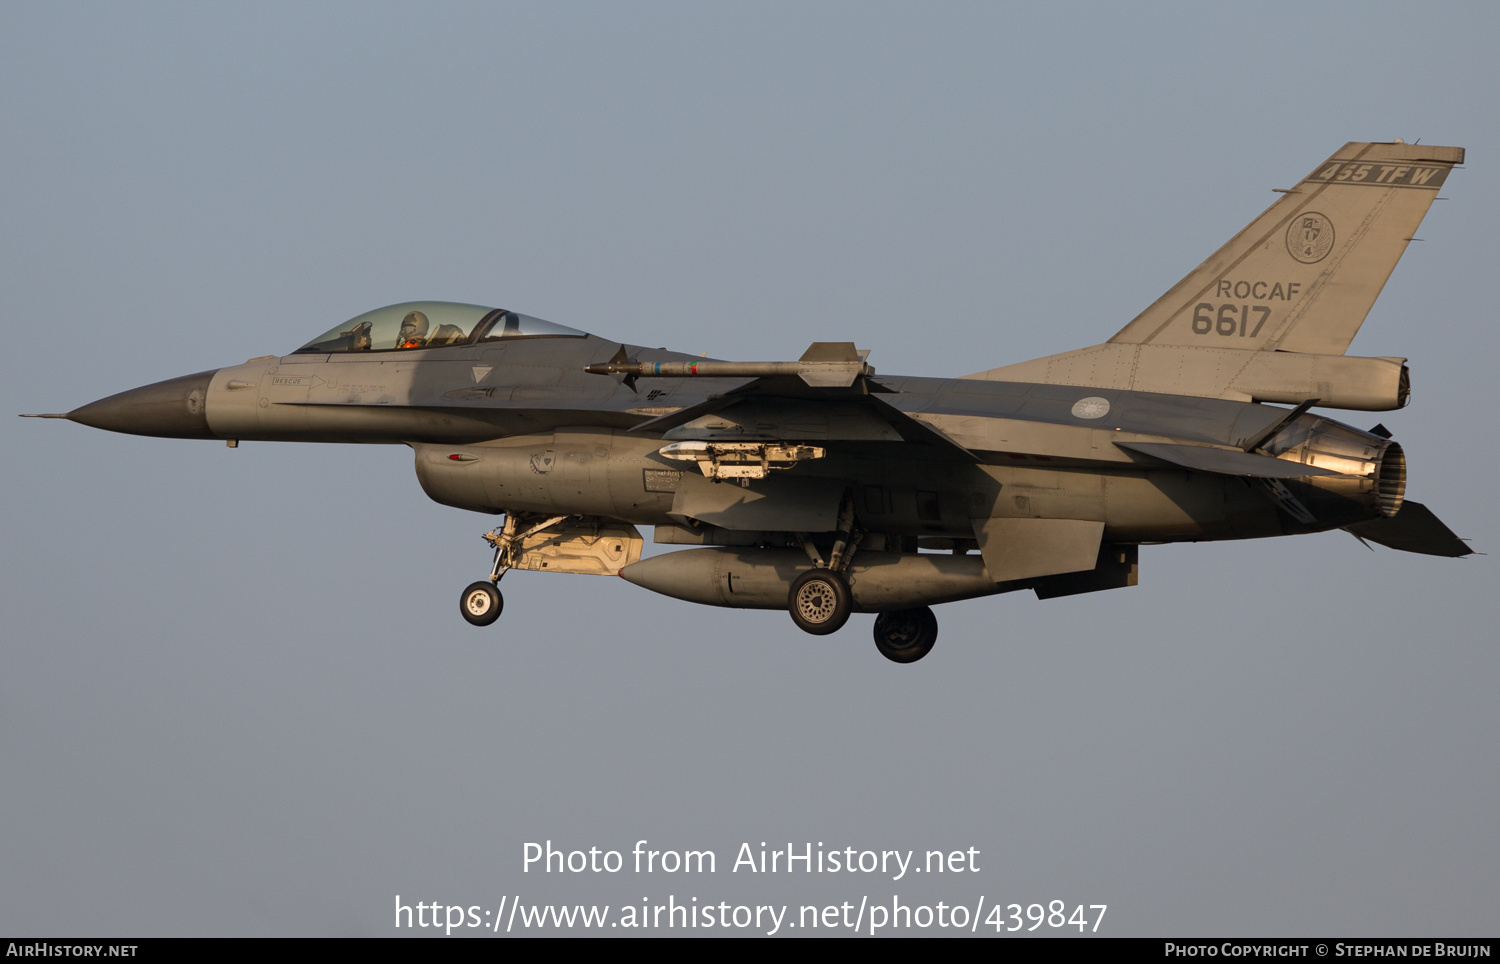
x: 359, y: 336
x: 413, y: 332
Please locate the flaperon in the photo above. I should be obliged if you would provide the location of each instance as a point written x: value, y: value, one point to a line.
x: 824, y: 488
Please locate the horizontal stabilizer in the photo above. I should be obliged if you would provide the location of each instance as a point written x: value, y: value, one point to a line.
x: 1224, y: 461
x: 1413, y: 529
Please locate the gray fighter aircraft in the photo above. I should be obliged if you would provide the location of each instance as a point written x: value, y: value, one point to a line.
x: 823, y: 488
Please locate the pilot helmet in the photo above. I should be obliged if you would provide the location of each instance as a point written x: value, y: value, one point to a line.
x: 413, y: 330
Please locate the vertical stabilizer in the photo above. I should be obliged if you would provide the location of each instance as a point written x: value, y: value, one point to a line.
x: 1303, y: 275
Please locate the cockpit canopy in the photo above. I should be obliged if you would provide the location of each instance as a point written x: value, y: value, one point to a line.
x: 432, y: 324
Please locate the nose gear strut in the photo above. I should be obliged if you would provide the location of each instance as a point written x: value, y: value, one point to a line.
x: 481, y: 602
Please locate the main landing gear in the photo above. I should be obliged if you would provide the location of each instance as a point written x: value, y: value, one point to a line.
x: 820, y: 600
x: 906, y: 635
x: 820, y: 604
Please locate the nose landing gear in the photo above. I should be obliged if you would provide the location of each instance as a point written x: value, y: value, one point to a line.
x: 481, y: 603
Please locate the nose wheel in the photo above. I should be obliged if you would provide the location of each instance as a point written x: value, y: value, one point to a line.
x: 481, y: 603
x: 906, y: 635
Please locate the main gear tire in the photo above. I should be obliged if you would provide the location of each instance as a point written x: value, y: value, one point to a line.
x: 906, y: 635
x: 819, y: 602
x: 481, y: 603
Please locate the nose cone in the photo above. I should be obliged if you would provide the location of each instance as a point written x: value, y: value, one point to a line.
x: 174, y: 408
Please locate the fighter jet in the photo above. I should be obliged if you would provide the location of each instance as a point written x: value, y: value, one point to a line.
x: 823, y: 488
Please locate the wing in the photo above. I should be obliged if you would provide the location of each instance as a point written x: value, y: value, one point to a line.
x: 829, y: 394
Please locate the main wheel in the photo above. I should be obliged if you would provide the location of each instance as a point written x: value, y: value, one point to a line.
x: 481, y: 603
x: 819, y: 602
x: 906, y: 635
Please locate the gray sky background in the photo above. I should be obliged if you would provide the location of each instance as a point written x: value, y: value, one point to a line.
x: 237, y: 697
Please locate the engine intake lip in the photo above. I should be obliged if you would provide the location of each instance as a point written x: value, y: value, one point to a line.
x: 1390, y: 480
